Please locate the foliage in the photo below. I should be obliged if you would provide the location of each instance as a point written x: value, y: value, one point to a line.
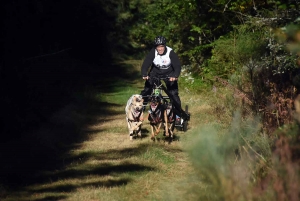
x: 137, y: 22
x: 168, y: 18
x: 263, y: 69
x: 229, y: 161
x: 262, y: 75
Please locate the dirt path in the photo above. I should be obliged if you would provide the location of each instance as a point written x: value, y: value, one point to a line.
x: 102, y: 163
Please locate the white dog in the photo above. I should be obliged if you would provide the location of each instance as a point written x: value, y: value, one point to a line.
x: 134, y: 115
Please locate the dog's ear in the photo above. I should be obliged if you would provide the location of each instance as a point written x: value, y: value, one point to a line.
x: 141, y: 98
x: 133, y: 98
x: 138, y: 98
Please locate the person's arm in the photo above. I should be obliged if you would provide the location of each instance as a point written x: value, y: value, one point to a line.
x: 147, y: 62
x: 175, y: 63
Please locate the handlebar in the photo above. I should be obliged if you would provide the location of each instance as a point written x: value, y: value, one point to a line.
x: 159, y: 78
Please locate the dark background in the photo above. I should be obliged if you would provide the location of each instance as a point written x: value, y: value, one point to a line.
x: 51, y: 54
x: 46, y: 49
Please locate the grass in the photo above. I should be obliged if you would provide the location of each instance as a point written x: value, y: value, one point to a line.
x: 102, y: 163
x: 83, y: 151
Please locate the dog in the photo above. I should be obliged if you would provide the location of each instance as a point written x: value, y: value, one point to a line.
x: 160, y: 115
x: 170, y: 119
x: 134, y: 115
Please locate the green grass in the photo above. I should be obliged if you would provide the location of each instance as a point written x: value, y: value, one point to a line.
x: 159, y: 155
x: 105, y: 165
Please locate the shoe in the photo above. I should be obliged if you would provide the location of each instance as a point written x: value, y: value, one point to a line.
x: 177, y: 120
x: 188, y: 117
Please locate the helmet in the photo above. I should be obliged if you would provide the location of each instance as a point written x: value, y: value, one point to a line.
x: 160, y: 40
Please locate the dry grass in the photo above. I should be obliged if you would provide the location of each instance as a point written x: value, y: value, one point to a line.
x: 101, y: 163
x: 106, y: 165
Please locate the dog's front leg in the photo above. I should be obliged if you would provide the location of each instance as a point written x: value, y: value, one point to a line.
x: 157, y: 129
x: 152, y: 132
x: 138, y: 128
x: 170, y: 129
x: 139, y: 132
x: 130, y: 126
x: 137, y: 125
x: 166, y: 123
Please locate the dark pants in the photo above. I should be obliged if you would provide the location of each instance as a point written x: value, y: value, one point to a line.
x: 172, y: 89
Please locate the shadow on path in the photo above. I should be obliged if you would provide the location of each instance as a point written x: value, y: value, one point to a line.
x: 58, y: 104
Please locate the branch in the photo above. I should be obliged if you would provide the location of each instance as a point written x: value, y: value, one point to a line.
x: 260, y: 156
x: 44, y: 55
x: 226, y: 6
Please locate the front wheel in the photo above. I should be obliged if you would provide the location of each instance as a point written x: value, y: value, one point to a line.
x: 184, y: 126
x: 185, y: 122
x: 187, y: 109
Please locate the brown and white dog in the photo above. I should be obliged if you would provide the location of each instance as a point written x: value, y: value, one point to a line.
x: 160, y: 116
x: 134, y: 115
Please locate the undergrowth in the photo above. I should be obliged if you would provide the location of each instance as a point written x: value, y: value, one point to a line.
x: 251, y: 150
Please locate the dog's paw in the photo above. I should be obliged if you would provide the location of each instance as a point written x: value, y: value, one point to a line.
x: 131, y: 136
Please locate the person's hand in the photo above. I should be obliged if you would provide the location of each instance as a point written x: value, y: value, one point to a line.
x: 173, y: 79
x: 146, y: 78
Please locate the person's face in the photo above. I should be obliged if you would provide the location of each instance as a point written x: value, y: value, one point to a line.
x: 160, y: 49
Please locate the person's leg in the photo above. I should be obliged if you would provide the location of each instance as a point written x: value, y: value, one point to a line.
x: 172, y: 88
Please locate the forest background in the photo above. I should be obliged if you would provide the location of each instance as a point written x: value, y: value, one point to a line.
x: 245, y: 52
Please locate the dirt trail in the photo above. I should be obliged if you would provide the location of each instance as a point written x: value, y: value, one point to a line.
x: 84, y: 153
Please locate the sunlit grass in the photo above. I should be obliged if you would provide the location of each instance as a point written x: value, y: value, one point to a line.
x: 106, y: 165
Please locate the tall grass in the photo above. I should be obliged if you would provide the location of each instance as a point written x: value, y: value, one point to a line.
x: 226, y: 171
x: 236, y: 159
x: 250, y: 151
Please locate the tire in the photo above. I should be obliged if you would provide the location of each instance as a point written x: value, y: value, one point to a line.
x: 184, y: 126
x: 185, y: 122
x: 187, y: 109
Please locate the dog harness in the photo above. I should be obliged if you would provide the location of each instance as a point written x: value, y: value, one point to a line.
x: 136, y: 116
x: 155, y: 116
x: 170, y: 114
x: 162, y: 61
